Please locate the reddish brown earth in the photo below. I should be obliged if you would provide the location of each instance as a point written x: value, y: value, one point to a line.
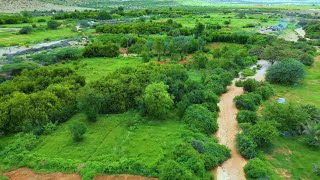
x: 28, y: 174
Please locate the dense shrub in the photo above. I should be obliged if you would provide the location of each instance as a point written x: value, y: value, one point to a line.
x: 257, y: 169
x: 289, y: 71
x: 69, y: 54
x: 289, y: 117
x: 262, y: 133
x: 52, y: 24
x: 247, y: 147
x: 248, y: 101
x: 245, y: 116
x: 78, y: 129
x: 25, y: 30
x: 101, y: 50
x: 250, y: 85
x: 311, y: 129
x: 199, y: 118
x: 16, y: 68
x: 200, y: 60
x: 172, y: 170
x: 265, y: 91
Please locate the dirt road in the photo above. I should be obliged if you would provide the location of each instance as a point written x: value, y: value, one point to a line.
x: 232, y: 169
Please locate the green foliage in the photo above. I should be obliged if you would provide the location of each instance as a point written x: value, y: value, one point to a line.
x: 38, y: 97
x: 245, y: 116
x: 199, y: 118
x: 265, y: 91
x: 316, y: 168
x: 289, y: 71
x: 77, y: 130
x: 146, y: 56
x: 52, y: 24
x: 69, y: 54
x: 156, y: 100
x: 200, y: 60
x: 248, y: 72
x: 25, y: 30
x: 247, y: 147
x: 257, y: 169
x: 290, y: 117
x: 312, y: 133
x: 138, y: 28
x: 248, y: 101
x: 90, y: 102
x: 250, y: 85
x: 262, y: 133
x: 101, y: 50
x: 171, y: 170
x: 16, y: 68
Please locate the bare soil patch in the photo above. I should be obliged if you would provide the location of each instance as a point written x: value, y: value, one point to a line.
x: 28, y: 174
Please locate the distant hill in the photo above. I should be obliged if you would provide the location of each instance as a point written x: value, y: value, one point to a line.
x: 11, y: 6
x: 155, y: 3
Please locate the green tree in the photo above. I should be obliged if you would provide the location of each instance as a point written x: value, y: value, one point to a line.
x: 199, y: 29
x: 201, y: 60
x: 159, y: 46
x: 157, y: 102
x: 78, y: 129
x: 289, y: 71
x: 90, y: 102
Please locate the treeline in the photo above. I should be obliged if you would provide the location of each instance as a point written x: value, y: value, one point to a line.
x: 106, y: 15
x: 38, y: 98
x: 138, y: 28
x: 14, y: 19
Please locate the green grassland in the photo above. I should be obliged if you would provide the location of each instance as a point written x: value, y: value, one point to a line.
x: 12, y: 39
x: 112, y: 139
x: 307, y: 92
x: 219, y: 18
x: 293, y: 159
x: 95, y: 68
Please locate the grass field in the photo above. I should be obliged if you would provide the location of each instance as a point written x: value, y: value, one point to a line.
x: 12, y: 39
x: 110, y: 139
x: 307, y: 92
x: 219, y: 18
x: 293, y: 159
x: 94, y: 68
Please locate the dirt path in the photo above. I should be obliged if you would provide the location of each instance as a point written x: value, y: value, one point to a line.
x: 232, y: 169
x: 28, y: 174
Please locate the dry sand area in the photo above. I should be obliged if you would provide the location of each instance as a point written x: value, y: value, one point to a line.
x: 15, y: 6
